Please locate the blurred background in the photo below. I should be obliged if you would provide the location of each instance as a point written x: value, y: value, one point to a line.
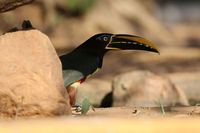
x: 173, y: 25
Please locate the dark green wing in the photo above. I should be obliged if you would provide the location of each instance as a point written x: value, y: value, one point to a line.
x: 71, y: 76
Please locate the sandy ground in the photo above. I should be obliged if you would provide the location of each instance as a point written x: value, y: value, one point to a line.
x: 145, y: 112
x: 113, y: 120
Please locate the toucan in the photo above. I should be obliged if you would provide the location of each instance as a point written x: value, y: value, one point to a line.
x: 87, y: 58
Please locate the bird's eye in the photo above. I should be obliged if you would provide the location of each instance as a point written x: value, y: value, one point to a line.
x: 105, y: 38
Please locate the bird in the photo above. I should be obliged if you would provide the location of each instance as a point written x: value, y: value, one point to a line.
x: 85, y: 60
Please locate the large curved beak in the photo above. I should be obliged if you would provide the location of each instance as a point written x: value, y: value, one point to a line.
x: 130, y: 42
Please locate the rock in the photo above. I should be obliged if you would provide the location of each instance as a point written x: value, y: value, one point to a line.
x: 189, y: 82
x: 6, y: 5
x: 30, y: 76
x: 94, y: 90
x: 143, y: 88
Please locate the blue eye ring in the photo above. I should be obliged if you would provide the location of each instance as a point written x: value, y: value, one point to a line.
x: 105, y: 38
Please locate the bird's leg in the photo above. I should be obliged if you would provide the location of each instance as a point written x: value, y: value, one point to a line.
x: 72, y: 95
x: 72, y: 91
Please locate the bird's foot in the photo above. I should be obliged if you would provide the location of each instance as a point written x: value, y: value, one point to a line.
x: 76, y: 108
x: 83, y: 108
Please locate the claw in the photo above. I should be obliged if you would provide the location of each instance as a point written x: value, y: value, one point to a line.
x: 77, y: 108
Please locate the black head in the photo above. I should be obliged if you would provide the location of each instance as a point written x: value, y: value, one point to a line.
x: 103, y: 42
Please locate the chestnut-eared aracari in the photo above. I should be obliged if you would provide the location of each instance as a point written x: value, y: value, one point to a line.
x: 87, y: 58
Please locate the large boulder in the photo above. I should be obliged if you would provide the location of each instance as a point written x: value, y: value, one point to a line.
x: 30, y: 76
x: 143, y: 88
